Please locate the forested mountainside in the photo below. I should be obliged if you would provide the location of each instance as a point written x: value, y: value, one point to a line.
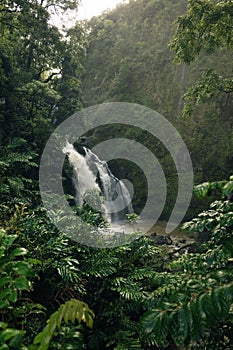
x: 40, y: 73
x: 58, y: 293
x: 129, y: 59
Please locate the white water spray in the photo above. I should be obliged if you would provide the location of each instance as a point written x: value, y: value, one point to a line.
x: 84, y: 180
x: 90, y: 173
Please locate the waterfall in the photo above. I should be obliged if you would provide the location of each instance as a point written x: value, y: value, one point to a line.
x: 118, y: 199
x: 91, y: 173
x: 83, y: 179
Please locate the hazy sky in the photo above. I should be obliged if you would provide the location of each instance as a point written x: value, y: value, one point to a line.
x: 90, y: 8
x: 86, y: 10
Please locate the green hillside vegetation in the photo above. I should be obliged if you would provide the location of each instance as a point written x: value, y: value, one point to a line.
x: 58, y: 294
x: 129, y: 59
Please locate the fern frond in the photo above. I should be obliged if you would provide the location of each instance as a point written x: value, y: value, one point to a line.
x: 69, y: 273
x: 103, y: 266
x: 70, y: 311
x: 188, y: 320
x: 142, y: 273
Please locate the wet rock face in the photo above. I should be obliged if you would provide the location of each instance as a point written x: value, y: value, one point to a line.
x: 194, y: 248
x: 161, y: 240
x: 176, y: 245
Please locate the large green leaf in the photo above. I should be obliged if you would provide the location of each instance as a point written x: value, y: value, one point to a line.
x: 18, y: 252
x: 22, y: 283
x: 70, y: 311
x: 22, y: 268
x: 9, y: 333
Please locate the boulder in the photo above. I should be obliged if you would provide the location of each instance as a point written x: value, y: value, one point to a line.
x: 161, y: 240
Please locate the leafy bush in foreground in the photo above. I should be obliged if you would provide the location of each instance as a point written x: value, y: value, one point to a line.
x: 194, y: 297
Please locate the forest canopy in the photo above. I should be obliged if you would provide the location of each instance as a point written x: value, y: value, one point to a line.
x: 176, y: 58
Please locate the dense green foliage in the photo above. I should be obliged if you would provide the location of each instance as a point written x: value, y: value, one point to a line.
x: 40, y: 86
x: 58, y: 294
x: 128, y: 59
x: 70, y: 311
x: 197, y: 292
x: 206, y: 29
x: 39, y: 70
x: 183, y: 301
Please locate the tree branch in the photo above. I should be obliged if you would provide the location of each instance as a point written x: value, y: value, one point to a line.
x: 51, y: 77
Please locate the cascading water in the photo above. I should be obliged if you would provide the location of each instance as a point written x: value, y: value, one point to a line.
x: 90, y: 173
x: 83, y: 180
x: 118, y: 200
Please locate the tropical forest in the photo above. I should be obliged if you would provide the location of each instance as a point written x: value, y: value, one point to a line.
x: 160, y: 289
